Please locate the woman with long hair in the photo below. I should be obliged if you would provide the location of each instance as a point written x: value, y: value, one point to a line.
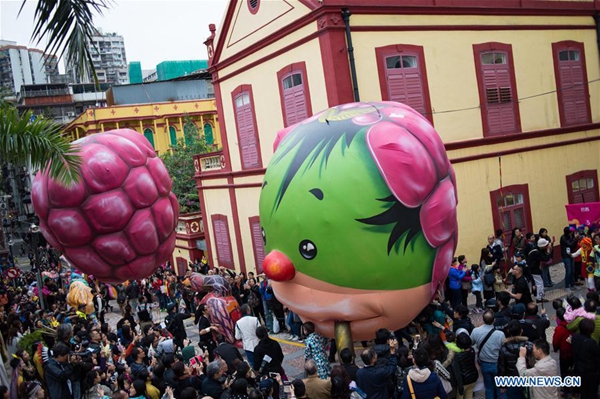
x: 340, y: 383
x: 15, y: 333
x: 27, y: 369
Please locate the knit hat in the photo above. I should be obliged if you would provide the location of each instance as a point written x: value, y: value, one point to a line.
x: 461, y: 330
x: 542, y: 243
x: 518, y: 310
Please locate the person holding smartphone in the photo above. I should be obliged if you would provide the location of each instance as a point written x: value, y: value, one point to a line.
x: 373, y: 379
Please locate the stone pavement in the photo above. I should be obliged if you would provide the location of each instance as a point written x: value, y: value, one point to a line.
x: 294, y: 351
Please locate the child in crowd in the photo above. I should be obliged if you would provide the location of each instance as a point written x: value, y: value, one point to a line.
x: 574, y: 309
x: 477, y: 287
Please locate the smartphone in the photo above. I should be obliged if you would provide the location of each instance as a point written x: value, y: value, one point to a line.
x: 273, y: 375
x: 286, y: 387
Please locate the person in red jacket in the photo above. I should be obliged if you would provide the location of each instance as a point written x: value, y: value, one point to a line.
x: 561, y: 345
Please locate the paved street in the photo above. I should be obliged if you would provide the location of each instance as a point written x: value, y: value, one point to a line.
x: 294, y: 351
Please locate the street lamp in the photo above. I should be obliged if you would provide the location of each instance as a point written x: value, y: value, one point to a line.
x: 11, y: 242
x: 35, y: 230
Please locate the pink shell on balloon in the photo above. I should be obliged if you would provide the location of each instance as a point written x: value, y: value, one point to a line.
x: 118, y: 222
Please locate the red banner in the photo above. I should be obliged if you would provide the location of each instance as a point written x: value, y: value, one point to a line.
x: 587, y: 214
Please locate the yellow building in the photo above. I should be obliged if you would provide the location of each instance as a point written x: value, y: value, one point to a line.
x: 513, y: 88
x: 163, y: 124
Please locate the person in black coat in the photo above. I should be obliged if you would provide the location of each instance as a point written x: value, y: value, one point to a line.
x: 228, y: 353
x: 213, y: 385
x: 461, y: 319
x: 463, y: 365
x: 57, y: 372
x: 174, y: 323
x: 539, y: 323
x: 347, y: 362
x: 373, y: 379
x: 267, y: 347
x: 542, y: 253
x: 586, y: 352
x: 509, y: 354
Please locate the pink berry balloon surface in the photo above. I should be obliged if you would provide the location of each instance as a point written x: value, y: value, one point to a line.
x: 118, y: 222
x: 358, y: 217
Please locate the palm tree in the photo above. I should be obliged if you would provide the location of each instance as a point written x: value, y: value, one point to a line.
x: 24, y: 138
x: 68, y: 26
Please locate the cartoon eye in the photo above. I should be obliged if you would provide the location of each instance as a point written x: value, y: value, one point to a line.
x: 264, y: 235
x: 308, y: 249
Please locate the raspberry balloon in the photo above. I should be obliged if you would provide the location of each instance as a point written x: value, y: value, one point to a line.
x: 358, y: 216
x: 118, y: 222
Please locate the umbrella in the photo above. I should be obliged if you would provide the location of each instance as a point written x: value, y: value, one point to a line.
x: 51, y: 274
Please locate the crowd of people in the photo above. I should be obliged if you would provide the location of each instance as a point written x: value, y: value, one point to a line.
x: 62, y: 352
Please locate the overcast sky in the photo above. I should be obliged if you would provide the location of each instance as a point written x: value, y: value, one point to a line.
x: 153, y: 30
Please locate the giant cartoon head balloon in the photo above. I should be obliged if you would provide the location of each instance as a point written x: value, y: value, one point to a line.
x: 358, y: 215
x: 117, y: 223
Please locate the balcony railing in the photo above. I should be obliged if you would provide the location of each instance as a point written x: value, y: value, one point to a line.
x: 45, y: 93
x: 208, y: 163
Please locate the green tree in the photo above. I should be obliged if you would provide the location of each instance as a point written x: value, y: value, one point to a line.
x: 180, y: 164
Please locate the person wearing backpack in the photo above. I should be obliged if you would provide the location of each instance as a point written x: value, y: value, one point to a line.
x: 488, y: 341
x: 487, y: 264
x: 421, y: 382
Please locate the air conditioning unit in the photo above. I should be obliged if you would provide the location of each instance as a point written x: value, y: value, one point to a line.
x: 71, y: 114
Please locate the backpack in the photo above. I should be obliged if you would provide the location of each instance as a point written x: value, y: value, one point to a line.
x: 489, y: 279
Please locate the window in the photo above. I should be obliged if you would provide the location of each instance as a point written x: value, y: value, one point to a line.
x: 510, y: 207
x: 497, y: 88
x: 173, y: 135
x: 249, y: 146
x: 403, y: 77
x: 208, y: 134
x: 583, y: 187
x: 257, y: 243
x: 253, y: 6
x: 222, y: 241
x: 149, y: 135
x: 294, y: 93
x: 571, y: 83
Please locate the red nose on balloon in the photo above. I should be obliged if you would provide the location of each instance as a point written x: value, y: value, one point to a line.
x: 278, y: 267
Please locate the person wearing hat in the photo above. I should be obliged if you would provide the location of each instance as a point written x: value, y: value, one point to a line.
x: 542, y: 253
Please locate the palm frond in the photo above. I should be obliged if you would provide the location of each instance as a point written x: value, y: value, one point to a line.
x: 68, y: 26
x: 40, y: 142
